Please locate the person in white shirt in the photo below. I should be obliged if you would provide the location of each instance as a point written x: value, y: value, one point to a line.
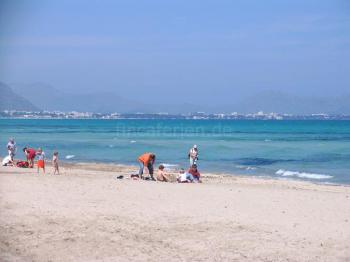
x: 12, y: 148
x: 193, y: 155
x: 7, y: 161
x: 185, y: 177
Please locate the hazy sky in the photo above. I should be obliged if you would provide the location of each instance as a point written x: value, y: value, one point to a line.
x: 187, y: 50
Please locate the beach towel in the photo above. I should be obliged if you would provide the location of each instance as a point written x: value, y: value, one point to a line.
x: 22, y: 164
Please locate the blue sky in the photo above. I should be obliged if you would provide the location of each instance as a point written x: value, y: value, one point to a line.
x: 210, y: 51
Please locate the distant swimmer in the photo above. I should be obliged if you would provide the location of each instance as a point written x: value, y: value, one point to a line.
x: 147, y: 160
x: 193, y: 155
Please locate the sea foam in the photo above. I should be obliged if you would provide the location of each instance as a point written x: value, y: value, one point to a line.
x: 283, y: 172
x: 70, y: 156
x: 245, y: 167
x: 169, y: 167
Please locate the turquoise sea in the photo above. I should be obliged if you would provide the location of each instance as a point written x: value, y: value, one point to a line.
x: 304, y: 150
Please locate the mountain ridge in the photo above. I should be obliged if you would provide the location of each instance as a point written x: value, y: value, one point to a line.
x: 9, y: 100
x: 52, y: 99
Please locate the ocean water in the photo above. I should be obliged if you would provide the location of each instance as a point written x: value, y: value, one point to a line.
x: 302, y: 150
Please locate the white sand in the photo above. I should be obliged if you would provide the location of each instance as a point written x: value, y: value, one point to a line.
x: 88, y: 215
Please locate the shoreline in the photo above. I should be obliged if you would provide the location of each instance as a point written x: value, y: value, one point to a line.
x: 296, y: 118
x: 120, y: 167
x: 211, y: 177
x: 134, y: 168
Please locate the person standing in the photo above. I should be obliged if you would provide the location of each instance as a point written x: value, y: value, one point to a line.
x: 55, y: 163
x: 147, y: 160
x: 12, y: 148
x: 193, y: 155
x: 41, y: 159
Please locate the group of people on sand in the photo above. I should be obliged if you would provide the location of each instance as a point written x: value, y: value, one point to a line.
x: 31, y: 154
x: 147, y: 160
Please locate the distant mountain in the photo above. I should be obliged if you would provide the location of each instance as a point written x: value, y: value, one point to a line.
x: 40, y: 94
x: 9, y: 100
x: 47, y: 97
x: 281, y: 102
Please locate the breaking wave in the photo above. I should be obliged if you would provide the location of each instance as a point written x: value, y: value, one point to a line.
x: 287, y: 173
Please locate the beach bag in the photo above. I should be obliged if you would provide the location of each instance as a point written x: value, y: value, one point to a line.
x: 23, y: 164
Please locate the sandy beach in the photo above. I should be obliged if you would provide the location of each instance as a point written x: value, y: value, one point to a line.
x: 86, y: 214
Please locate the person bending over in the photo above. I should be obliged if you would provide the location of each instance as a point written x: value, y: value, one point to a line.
x: 147, y: 160
x: 30, y: 154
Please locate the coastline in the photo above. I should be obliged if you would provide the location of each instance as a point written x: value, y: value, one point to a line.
x: 208, y: 176
x: 296, y: 150
x: 127, y: 170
